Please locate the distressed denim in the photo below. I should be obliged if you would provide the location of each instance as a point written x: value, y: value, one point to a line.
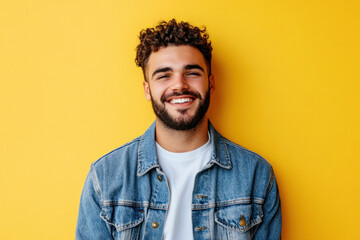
x: 126, y: 194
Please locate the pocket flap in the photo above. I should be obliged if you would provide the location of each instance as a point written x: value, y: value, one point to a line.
x: 122, y: 217
x: 239, y: 217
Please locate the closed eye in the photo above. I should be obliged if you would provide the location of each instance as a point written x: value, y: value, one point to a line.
x: 163, y: 76
x: 193, y: 73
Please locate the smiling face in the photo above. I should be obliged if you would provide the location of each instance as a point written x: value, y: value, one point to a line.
x: 178, y: 86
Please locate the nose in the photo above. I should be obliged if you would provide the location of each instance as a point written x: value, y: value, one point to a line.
x: 179, y: 83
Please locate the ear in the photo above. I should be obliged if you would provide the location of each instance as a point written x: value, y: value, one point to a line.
x: 147, y: 90
x: 212, y: 83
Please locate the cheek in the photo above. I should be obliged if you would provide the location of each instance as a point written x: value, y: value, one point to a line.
x: 201, y: 87
x: 157, y: 90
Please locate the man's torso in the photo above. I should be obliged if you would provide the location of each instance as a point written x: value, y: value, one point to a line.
x: 227, y: 197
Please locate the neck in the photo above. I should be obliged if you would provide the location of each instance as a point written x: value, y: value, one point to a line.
x: 182, y: 141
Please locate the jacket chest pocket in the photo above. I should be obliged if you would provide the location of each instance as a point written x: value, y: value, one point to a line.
x: 238, y: 221
x: 125, y: 222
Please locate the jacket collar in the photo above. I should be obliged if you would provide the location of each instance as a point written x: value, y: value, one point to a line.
x: 147, y: 157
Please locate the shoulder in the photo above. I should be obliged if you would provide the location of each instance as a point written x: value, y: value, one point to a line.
x: 249, y: 170
x: 110, y: 172
x: 232, y: 154
x: 245, y: 155
x: 123, y: 157
x: 250, y: 165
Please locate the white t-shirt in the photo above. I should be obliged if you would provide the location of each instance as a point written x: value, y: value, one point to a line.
x: 180, y: 170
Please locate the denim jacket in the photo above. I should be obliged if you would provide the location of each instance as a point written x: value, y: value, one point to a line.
x: 126, y: 194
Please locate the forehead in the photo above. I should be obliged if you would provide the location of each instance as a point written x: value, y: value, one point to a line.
x: 175, y: 57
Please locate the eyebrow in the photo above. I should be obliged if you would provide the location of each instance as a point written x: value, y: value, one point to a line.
x: 168, y: 69
x: 194, y: 66
x: 165, y: 69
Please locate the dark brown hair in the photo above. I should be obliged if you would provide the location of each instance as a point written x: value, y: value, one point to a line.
x: 172, y: 33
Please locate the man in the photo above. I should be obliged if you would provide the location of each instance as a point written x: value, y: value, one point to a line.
x: 181, y: 179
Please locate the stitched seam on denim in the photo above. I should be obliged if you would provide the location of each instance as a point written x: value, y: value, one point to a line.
x: 154, y: 199
x: 247, y: 150
x: 271, y: 181
x: 155, y: 192
x: 128, y: 225
x: 215, y: 160
x: 159, y: 206
x: 223, y: 141
x: 139, y: 156
x: 95, y: 182
x: 125, y: 145
x: 138, y: 233
x: 140, y: 172
x: 217, y: 138
x: 258, y: 200
x: 241, y: 147
x: 146, y: 220
x: 148, y: 169
x: 124, y: 203
x: 120, y: 227
x: 209, y: 191
x: 240, y: 229
x: 228, y: 203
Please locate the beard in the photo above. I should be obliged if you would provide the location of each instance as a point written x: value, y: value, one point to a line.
x: 183, y: 122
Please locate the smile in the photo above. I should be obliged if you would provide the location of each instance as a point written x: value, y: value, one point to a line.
x: 181, y: 100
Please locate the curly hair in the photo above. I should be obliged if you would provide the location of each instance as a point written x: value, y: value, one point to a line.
x: 172, y: 33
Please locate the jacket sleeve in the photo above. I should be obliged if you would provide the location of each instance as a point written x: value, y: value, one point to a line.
x: 89, y: 224
x: 270, y: 228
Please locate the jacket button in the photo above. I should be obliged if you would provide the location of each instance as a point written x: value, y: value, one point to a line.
x: 154, y: 224
x: 200, y: 228
x: 242, y: 221
x: 201, y: 196
x: 159, y: 178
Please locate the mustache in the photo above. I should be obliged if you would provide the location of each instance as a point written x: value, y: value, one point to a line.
x: 175, y: 94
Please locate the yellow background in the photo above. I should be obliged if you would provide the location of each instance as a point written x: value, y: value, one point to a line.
x: 287, y: 78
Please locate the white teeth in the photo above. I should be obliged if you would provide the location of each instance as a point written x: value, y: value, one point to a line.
x: 181, y: 100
